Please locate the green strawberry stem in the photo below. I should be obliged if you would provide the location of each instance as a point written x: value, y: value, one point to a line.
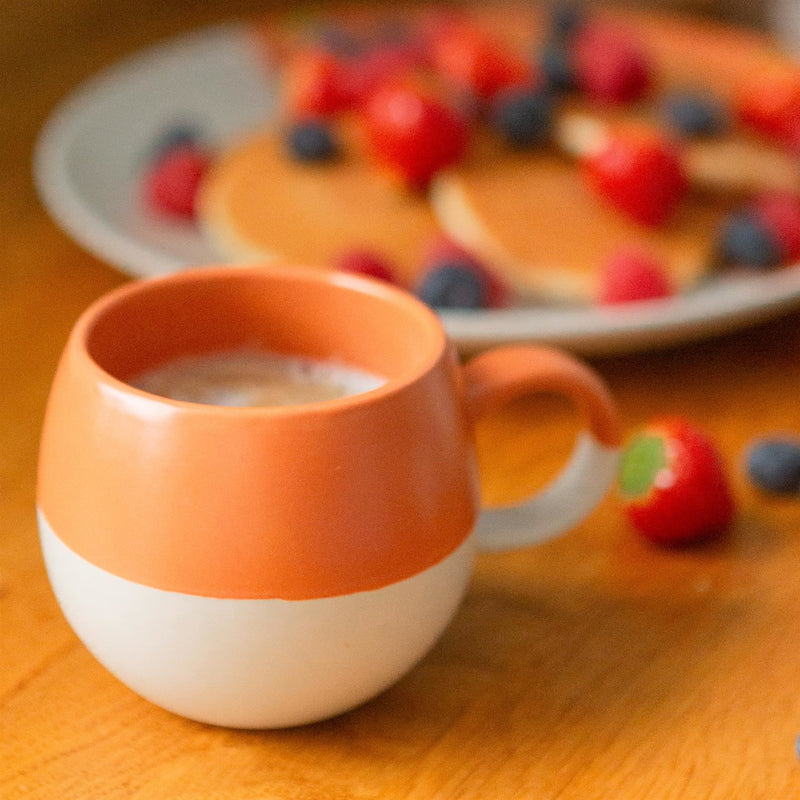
x: 641, y: 460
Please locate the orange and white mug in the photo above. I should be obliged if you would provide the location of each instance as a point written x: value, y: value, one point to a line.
x: 271, y: 566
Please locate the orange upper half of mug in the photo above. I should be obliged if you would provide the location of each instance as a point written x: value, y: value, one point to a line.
x: 295, y: 502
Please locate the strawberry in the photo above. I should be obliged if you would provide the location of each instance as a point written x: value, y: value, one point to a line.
x: 640, y: 173
x: 317, y: 84
x: 413, y: 134
x: 609, y: 65
x: 768, y: 101
x: 473, y: 61
x: 631, y: 275
x: 673, y: 483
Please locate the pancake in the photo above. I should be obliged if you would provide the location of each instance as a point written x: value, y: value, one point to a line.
x: 528, y: 214
x: 533, y: 217
x: 258, y: 204
x: 531, y: 214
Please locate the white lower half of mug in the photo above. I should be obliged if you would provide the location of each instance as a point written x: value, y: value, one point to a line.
x: 255, y: 663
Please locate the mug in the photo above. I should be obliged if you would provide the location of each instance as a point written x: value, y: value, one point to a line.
x: 266, y: 567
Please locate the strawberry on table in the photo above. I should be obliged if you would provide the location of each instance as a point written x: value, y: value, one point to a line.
x: 673, y: 483
x: 412, y: 133
x: 639, y: 172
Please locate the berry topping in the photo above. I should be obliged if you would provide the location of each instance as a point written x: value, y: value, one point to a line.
x: 172, y: 182
x: 176, y: 136
x: 444, y: 250
x: 317, y: 84
x: 453, y: 285
x: 769, y: 102
x: 566, y: 19
x: 412, y: 134
x: 631, y: 275
x: 694, y: 113
x: 744, y: 239
x: 673, y: 483
x: 523, y: 117
x: 773, y: 464
x: 311, y: 140
x: 640, y: 173
x: 780, y: 214
x: 555, y: 64
x: 610, y: 67
x: 339, y: 41
x: 366, y: 262
x: 471, y: 60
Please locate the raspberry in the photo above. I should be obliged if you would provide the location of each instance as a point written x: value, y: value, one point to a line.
x: 609, y: 65
x: 366, y: 262
x: 171, y: 183
x: 779, y: 212
x: 631, y: 275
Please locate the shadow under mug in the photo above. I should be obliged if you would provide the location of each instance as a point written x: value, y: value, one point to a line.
x: 271, y: 566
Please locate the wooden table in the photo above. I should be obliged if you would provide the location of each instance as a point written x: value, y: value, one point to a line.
x: 595, y: 666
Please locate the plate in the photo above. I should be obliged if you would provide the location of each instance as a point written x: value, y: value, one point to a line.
x: 89, y: 156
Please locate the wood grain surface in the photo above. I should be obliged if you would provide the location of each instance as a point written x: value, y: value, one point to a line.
x: 595, y: 666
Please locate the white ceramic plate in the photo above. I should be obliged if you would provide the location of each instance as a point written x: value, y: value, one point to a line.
x: 90, y: 153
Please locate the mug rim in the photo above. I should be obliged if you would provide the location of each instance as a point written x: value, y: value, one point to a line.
x: 396, y: 296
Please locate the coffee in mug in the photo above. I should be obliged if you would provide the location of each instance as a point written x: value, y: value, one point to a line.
x: 250, y: 377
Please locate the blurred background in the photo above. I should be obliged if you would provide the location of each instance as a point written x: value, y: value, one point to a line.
x: 38, y: 70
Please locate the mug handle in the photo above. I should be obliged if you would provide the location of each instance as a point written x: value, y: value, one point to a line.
x: 503, y: 374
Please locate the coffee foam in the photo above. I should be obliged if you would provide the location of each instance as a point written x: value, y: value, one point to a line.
x: 243, y: 378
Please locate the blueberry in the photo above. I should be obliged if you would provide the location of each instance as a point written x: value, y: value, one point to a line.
x: 565, y: 19
x: 555, y: 62
x: 182, y: 134
x: 339, y: 41
x: 312, y: 140
x: 774, y: 465
x: 523, y: 117
x: 695, y: 114
x: 744, y: 239
x: 450, y: 284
